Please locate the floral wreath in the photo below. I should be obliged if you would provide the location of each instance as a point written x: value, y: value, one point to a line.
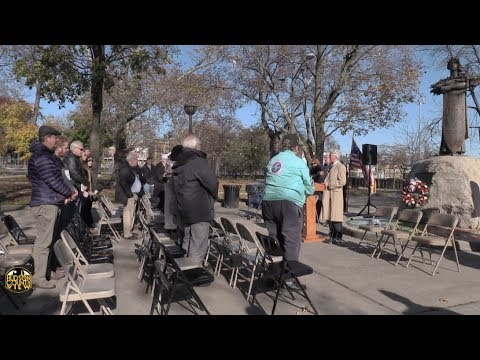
x: 415, y: 193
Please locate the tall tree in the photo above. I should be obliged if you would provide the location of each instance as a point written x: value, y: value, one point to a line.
x: 65, y: 72
x: 346, y: 88
x: 17, y: 130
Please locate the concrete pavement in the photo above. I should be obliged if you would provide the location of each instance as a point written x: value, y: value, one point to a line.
x: 345, y: 281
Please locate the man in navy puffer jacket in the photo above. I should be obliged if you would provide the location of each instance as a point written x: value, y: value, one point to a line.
x: 49, y: 191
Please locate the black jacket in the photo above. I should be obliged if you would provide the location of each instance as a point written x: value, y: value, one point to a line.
x: 76, y: 170
x: 126, y: 178
x: 195, y: 186
x: 148, y: 174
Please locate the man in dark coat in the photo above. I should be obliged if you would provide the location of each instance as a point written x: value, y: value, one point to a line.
x: 49, y: 191
x: 129, y: 189
x: 196, y: 186
x: 73, y: 162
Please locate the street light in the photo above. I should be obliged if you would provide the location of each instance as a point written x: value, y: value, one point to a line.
x: 190, y: 110
x: 306, y: 57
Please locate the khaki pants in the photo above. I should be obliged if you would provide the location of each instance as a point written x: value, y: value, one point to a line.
x: 45, y: 216
x: 129, y: 216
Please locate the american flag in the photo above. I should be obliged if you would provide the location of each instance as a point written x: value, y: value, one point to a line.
x: 355, y: 156
x: 356, y: 161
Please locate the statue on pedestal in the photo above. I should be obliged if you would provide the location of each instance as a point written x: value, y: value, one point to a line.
x: 454, y: 124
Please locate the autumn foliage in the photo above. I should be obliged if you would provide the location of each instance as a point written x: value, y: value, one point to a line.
x: 17, y: 130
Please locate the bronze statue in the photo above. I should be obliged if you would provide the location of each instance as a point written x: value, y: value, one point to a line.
x: 455, y: 124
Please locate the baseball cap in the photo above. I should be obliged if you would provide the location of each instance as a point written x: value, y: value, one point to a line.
x: 47, y: 130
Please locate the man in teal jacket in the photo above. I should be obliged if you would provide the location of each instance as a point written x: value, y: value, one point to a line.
x: 287, y: 182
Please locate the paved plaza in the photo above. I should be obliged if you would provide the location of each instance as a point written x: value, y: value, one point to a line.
x: 346, y: 280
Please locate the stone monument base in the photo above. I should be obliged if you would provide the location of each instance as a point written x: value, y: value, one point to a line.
x: 454, y: 184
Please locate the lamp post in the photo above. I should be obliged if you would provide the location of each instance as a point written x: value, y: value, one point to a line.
x: 190, y: 110
x: 306, y: 57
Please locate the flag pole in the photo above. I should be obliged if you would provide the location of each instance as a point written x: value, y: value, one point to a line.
x: 348, y: 179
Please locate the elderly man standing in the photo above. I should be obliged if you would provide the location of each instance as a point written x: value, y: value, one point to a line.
x: 287, y: 182
x: 49, y: 192
x: 129, y: 189
x: 196, y: 186
x: 74, y: 164
x: 333, y: 196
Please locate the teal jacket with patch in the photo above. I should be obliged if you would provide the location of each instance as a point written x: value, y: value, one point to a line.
x: 287, y: 178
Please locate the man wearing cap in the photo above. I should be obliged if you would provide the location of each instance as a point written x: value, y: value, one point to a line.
x: 287, y: 182
x: 49, y: 191
x: 148, y: 171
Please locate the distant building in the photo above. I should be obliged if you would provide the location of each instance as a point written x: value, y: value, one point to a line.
x: 159, y: 147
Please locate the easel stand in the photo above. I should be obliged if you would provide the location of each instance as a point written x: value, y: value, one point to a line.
x: 369, y: 203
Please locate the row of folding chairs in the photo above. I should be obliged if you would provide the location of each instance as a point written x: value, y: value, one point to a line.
x: 438, y: 232
x: 109, y: 215
x: 241, y: 248
x: 86, y: 281
x: 174, y: 274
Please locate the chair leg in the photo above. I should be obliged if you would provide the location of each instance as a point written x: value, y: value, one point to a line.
x: 403, y: 251
x: 411, y: 256
x: 377, y: 247
x: 251, y: 282
x: 305, y: 295
x: 279, y: 285
x: 381, y: 247
x: 441, y: 255
x: 358, y: 245
x: 456, y: 256
x: 142, y: 264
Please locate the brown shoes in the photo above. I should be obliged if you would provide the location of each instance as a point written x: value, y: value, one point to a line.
x: 46, y: 284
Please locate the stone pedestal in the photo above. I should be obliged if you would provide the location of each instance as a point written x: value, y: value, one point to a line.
x: 454, y: 184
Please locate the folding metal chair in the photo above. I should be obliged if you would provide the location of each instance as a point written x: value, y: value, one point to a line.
x: 282, y: 271
x: 386, y: 212
x: 408, y: 219
x: 437, y: 232
x: 82, y: 289
x: 16, y: 233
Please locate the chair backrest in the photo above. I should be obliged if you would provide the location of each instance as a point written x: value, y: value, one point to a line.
x: 3, y: 229
x: 248, y: 240
x: 64, y: 256
x: 230, y: 229
x: 217, y: 228
x: 441, y: 224
x: 410, y: 216
x: 445, y: 220
x: 271, y: 245
x: 386, y: 211
x: 16, y: 231
x: 68, y: 237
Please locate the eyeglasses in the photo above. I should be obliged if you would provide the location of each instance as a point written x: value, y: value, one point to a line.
x: 82, y: 149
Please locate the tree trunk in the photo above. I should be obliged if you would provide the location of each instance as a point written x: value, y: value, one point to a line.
x: 120, y: 155
x: 36, y: 106
x: 320, y: 142
x: 96, y: 92
x: 319, y: 120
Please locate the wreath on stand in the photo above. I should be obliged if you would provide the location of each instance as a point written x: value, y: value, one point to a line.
x: 415, y: 193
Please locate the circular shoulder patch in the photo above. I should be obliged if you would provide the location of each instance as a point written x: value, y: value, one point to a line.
x: 277, y: 166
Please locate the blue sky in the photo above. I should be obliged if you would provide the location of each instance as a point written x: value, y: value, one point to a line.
x: 431, y: 108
